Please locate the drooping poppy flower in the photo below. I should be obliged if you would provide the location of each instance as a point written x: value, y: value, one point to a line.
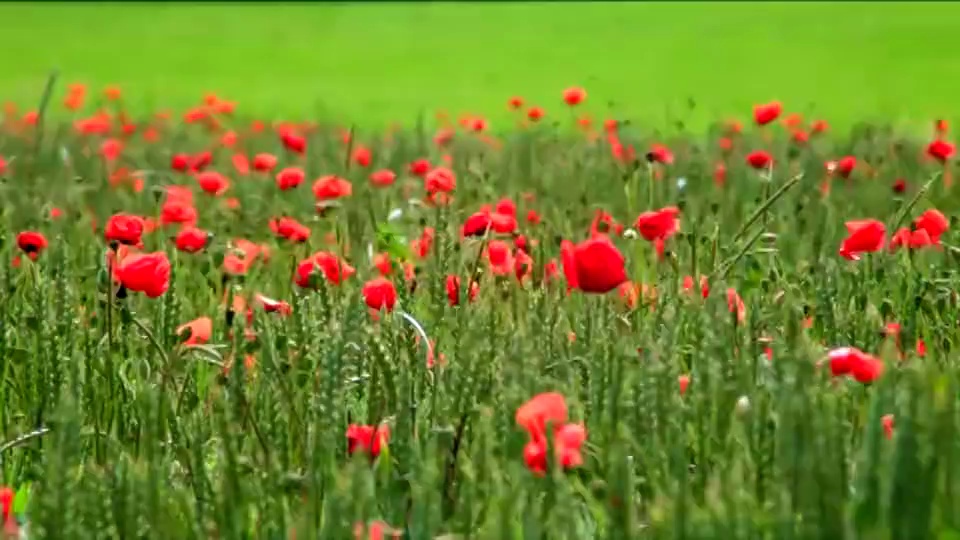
x: 148, y: 273
x: 331, y: 187
x: 200, y: 330
x: 574, y: 96
x: 421, y: 246
x: 290, y: 229
x: 735, y: 304
x: 933, y: 222
x: 362, y: 156
x: 440, y: 180
x: 367, y: 439
x: 293, y: 142
x: 766, y: 113
x: 200, y: 161
x: 941, y: 150
x: 599, y: 265
x: 886, y: 421
x: 177, y: 211
x: 380, y: 294
x: 32, y: 243
x: 290, y: 177
x: 759, y: 159
x: 125, y: 229
x: 190, y: 239
x: 863, y: 236
x: 264, y: 162
x: 383, y: 178
x: 453, y: 290
x: 213, y: 182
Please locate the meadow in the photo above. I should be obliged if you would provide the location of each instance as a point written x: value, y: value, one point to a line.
x: 520, y: 312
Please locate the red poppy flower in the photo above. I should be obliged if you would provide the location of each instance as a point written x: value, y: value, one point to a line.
x: 362, y: 156
x: 522, y: 265
x: 264, y: 162
x: 440, y: 180
x: 331, y: 187
x: 535, y: 114
x: 3, y: 166
x: 290, y: 178
x: 568, y: 259
x: 863, y: 236
x: 290, y: 229
x: 147, y: 273
x: 240, y: 163
x: 598, y: 264
x: 380, y: 294
x: 477, y: 224
x: 515, y: 102
x: 800, y: 136
x: 367, y: 439
x: 453, y: 290
x: 684, y: 382
x: 819, y: 126
x: 383, y: 178
x: 236, y: 265
x: 704, y: 285
x: 293, y: 142
x: 499, y: 257
x: 177, y: 211
x: 940, y: 150
x: 110, y: 149
x: 766, y: 113
x: 126, y: 229
x: 604, y: 223
x: 200, y: 331
x: 852, y: 361
x: 419, y: 167
x: 179, y: 193
x: 421, y: 246
x: 200, y: 161
x: 213, y: 182
x: 845, y: 166
x: 334, y: 269
x: 533, y: 217
x: 191, y: 239
x: 32, y: 243
x: 934, y: 222
x: 660, y: 154
x: 574, y: 96
x: 900, y: 185
x: 759, y: 159
x: 541, y: 410
x: 658, y: 224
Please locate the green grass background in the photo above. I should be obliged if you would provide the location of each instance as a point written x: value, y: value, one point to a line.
x: 374, y: 63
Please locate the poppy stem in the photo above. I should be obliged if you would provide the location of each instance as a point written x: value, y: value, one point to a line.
x: 905, y: 209
x: 762, y: 210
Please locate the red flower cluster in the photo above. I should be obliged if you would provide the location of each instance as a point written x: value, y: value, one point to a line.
x: 544, y: 415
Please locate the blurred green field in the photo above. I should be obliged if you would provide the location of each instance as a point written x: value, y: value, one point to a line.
x: 374, y: 63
